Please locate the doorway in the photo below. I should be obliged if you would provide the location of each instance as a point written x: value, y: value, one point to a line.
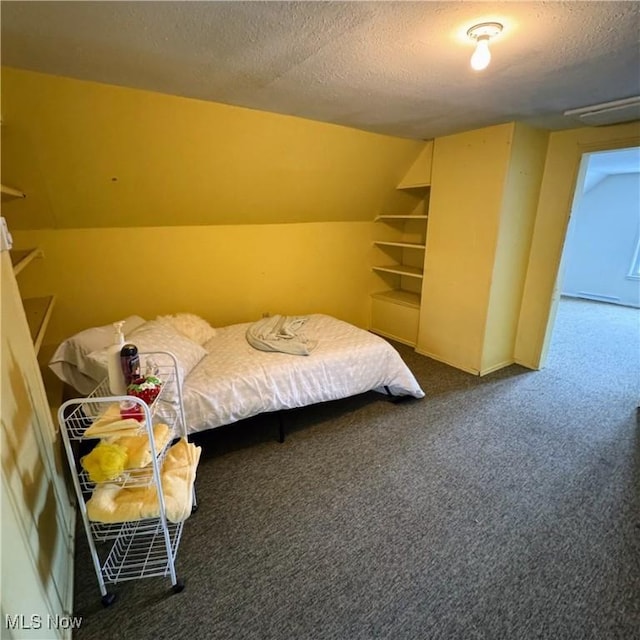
x: 541, y: 292
x: 598, y: 310
x: 600, y: 253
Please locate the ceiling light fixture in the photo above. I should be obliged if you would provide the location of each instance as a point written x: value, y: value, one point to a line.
x: 482, y: 33
x: 615, y: 112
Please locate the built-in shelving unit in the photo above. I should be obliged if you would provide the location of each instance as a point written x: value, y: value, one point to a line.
x: 399, y: 265
x: 9, y: 193
x: 399, y: 254
x: 39, y: 515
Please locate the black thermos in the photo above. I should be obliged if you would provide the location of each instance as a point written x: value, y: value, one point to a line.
x: 130, y: 362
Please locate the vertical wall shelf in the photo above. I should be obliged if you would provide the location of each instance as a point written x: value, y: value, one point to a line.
x: 399, y: 254
x: 399, y: 265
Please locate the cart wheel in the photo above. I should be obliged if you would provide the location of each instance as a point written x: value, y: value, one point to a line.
x: 178, y: 586
x: 108, y: 599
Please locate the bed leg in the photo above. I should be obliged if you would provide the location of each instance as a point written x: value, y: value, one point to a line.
x: 395, y: 399
x: 280, y: 428
x: 392, y: 398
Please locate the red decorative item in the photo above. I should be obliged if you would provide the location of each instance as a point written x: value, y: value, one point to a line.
x: 146, y: 389
x: 134, y: 411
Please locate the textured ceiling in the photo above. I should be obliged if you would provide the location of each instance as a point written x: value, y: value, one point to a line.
x: 398, y: 68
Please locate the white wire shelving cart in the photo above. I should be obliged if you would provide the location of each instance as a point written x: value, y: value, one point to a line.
x: 138, y: 548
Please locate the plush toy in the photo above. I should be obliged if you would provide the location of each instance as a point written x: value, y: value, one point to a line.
x: 105, y: 462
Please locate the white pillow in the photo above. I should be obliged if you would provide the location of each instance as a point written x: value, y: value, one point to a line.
x: 155, y: 336
x: 190, y: 325
x: 69, y: 362
x: 81, y: 382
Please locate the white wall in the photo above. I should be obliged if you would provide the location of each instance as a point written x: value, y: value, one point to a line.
x: 601, y: 242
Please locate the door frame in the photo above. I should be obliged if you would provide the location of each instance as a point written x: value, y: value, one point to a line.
x: 559, y: 181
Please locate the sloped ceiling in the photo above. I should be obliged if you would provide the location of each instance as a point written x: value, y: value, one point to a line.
x: 398, y: 68
x: 610, y: 163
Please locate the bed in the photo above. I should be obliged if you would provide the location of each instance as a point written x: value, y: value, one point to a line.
x: 225, y: 379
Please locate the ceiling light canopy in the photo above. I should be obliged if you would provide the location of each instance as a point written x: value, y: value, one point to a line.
x: 482, y: 33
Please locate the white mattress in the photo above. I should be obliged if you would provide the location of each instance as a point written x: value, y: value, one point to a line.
x: 236, y: 381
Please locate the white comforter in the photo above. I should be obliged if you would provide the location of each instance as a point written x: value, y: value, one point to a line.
x: 236, y: 381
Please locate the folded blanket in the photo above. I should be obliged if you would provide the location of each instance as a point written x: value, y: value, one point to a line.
x: 111, y: 503
x: 137, y: 446
x: 110, y: 423
x: 280, y: 333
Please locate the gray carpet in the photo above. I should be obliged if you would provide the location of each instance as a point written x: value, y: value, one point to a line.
x: 498, y: 507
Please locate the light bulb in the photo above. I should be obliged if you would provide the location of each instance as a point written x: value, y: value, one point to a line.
x: 481, y: 56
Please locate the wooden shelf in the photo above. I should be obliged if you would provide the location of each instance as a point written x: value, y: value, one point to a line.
x: 38, y: 312
x: 392, y: 217
x: 9, y: 193
x: 404, y: 187
x: 401, y: 269
x: 406, y: 245
x: 399, y: 296
x: 21, y: 258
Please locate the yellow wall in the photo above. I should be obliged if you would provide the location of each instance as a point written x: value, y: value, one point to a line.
x: 152, y: 204
x: 468, y: 174
x: 517, y: 217
x: 224, y: 273
x: 260, y: 212
x: 556, y: 195
x: 94, y: 155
